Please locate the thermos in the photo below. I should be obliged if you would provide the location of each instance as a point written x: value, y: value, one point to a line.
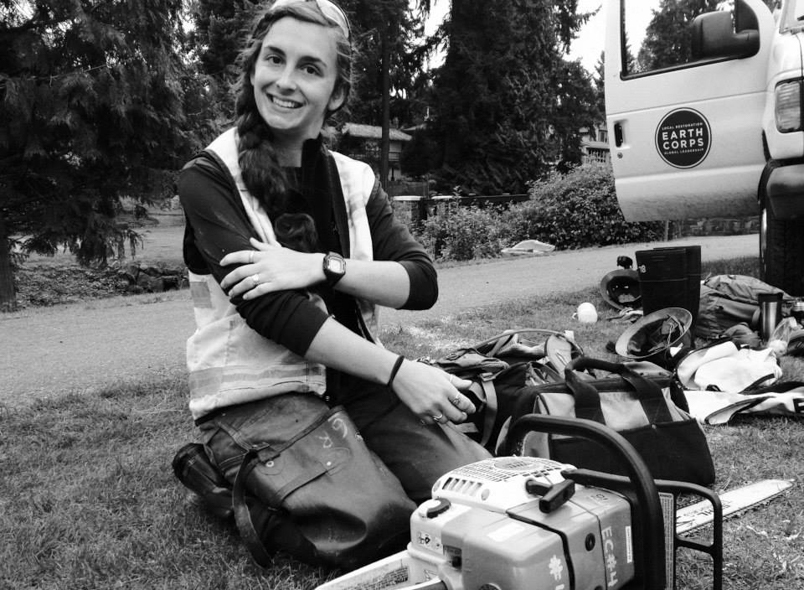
x: 770, y: 314
x: 798, y: 311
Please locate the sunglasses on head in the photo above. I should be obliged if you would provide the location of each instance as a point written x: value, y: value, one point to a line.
x: 330, y: 10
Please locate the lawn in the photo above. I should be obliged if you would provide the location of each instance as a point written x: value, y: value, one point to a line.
x: 88, y: 499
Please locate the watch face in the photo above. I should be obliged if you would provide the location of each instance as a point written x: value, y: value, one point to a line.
x: 336, y: 265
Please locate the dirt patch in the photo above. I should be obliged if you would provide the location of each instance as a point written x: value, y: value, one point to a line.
x: 45, y: 281
x: 44, y: 286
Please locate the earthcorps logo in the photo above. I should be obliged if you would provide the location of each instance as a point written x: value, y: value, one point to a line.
x: 683, y: 138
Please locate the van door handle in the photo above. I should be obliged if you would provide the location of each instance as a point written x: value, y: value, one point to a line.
x: 618, y: 134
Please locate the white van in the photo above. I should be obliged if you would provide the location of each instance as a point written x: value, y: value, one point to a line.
x: 705, y: 118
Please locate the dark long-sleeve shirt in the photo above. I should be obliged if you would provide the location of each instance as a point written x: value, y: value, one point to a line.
x: 217, y: 224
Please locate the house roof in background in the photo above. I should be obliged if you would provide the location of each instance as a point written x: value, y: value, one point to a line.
x: 373, y: 132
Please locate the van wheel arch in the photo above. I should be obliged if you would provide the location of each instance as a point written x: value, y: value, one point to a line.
x: 781, y: 242
x: 781, y: 251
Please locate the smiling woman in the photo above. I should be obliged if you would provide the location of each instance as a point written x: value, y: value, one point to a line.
x: 294, y: 81
x: 290, y: 249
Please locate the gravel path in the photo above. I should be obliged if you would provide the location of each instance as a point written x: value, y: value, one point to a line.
x: 46, y: 352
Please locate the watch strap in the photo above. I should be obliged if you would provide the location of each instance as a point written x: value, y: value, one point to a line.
x: 334, y: 268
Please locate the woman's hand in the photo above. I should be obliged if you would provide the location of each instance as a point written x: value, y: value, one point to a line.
x: 270, y: 268
x: 432, y: 394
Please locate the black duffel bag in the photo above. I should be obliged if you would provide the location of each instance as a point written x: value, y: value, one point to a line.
x: 639, y: 407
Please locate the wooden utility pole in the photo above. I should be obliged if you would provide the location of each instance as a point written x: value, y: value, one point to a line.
x: 385, y: 141
x: 8, y: 294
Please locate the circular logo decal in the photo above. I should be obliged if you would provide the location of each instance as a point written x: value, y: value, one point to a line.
x: 683, y: 138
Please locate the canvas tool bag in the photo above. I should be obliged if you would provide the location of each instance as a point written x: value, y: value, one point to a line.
x: 638, y: 406
x: 305, y: 484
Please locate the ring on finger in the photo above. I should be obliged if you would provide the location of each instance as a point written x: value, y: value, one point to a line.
x: 438, y: 417
x: 255, y: 278
x: 251, y: 257
x: 456, y: 400
x: 450, y: 379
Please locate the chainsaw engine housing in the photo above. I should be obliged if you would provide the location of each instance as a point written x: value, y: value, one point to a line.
x: 515, y: 522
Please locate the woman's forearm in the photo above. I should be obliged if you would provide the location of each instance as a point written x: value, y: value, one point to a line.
x: 339, y: 348
x: 273, y: 268
x: 428, y: 391
x: 381, y: 282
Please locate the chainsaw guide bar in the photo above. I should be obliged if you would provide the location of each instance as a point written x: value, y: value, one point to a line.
x: 698, y: 515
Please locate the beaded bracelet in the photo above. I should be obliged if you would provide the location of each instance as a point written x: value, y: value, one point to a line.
x: 395, y: 370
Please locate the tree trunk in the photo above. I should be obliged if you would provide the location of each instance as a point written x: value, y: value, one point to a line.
x: 8, y: 295
x: 385, y: 142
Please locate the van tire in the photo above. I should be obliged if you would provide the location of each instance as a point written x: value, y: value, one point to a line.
x: 781, y: 252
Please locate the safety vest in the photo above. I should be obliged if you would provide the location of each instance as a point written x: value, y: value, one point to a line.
x: 230, y: 363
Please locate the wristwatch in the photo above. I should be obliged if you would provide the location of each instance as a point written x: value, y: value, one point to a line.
x: 334, y: 268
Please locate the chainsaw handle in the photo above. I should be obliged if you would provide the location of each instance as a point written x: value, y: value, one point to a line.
x: 647, y: 495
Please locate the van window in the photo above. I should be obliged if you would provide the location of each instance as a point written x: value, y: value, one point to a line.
x: 658, y: 33
x: 793, y: 15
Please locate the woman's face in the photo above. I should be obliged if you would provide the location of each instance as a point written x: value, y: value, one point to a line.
x: 294, y: 78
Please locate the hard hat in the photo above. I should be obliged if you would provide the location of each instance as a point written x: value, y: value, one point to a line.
x: 620, y: 288
x: 652, y: 336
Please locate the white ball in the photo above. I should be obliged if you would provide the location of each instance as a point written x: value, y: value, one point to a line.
x: 586, y: 314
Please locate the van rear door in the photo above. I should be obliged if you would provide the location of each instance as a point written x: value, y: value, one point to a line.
x: 684, y: 106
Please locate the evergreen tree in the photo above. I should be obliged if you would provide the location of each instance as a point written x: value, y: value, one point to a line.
x: 507, y: 105
x: 219, y: 32
x: 600, y: 85
x: 386, y: 26
x: 91, y: 111
x: 387, y: 62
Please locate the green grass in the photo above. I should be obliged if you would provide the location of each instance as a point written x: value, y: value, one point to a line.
x: 88, y: 499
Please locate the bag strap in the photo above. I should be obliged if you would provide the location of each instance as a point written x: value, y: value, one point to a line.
x: 498, y: 343
x: 587, y: 396
x: 466, y: 362
x: 758, y: 383
x: 504, y: 336
x: 483, y: 388
x: 242, y: 514
x: 500, y: 340
x: 778, y: 387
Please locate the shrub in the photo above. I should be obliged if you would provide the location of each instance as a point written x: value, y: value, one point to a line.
x: 463, y: 233
x: 573, y: 210
x: 577, y: 210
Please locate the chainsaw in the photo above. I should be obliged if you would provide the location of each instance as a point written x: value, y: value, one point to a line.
x: 527, y: 523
